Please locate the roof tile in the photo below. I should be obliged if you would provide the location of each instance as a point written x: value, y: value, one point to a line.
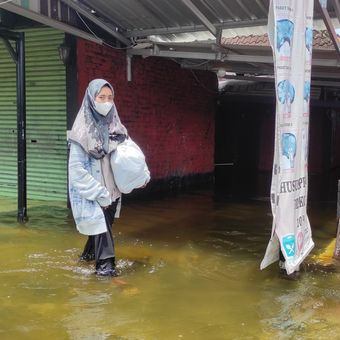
x: 321, y: 40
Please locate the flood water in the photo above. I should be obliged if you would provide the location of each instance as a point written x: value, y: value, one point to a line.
x: 189, y: 269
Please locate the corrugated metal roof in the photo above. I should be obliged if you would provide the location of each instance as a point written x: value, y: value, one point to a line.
x: 188, y: 31
x: 137, y: 18
x: 192, y: 31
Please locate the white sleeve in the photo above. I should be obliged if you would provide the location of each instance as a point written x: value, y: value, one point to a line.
x: 80, y: 178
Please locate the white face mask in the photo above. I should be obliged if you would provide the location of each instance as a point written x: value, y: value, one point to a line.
x: 103, y: 108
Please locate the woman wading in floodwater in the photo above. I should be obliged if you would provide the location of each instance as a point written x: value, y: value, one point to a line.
x: 94, y: 196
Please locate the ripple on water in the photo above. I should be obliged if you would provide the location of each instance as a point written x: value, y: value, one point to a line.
x: 19, y: 270
x: 212, y: 282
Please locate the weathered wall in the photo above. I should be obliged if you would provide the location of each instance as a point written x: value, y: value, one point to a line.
x: 167, y: 110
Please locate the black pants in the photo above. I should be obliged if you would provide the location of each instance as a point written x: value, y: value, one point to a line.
x: 102, y: 245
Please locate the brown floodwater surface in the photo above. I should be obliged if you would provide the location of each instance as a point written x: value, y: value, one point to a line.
x: 189, y: 269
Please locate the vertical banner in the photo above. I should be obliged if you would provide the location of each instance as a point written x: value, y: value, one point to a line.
x: 290, y: 29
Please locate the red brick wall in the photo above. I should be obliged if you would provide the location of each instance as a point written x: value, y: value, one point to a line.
x: 167, y: 110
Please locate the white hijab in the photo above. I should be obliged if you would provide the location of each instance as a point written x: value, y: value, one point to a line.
x: 97, y: 134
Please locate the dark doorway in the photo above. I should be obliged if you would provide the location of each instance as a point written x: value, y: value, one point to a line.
x: 237, y: 148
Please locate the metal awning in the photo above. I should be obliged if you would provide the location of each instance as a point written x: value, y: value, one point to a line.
x: 135, y: 18
x: 191, y: 32
x: 144, y: 18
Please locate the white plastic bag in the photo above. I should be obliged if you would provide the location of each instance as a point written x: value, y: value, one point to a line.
x: 130, y: 170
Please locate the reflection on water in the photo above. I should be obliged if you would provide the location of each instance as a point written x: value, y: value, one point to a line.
x: 189, y: 268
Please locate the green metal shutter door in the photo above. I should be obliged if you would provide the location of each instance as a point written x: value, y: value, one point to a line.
x: 8, y: 125
x: 45, y: 119
x: 46, y: 116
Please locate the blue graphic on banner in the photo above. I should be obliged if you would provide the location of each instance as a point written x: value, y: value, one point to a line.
x: 309, y: 39
x: 288, y: 242
x: 306, y: 91
x: 288, y: 145
x: 285, y: 31
x: 286, y: 92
